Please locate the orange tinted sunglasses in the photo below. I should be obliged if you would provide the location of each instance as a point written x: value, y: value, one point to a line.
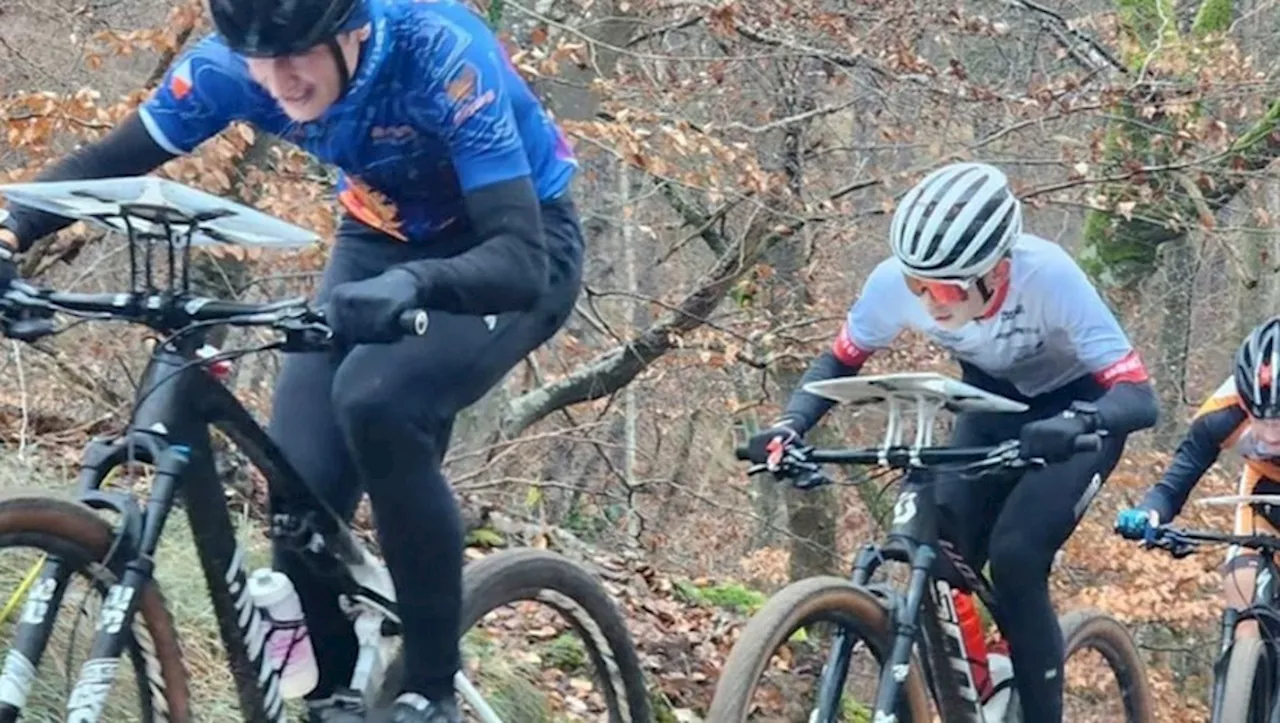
x: 942, y: 292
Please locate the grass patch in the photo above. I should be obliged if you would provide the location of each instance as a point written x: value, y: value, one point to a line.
x: 728, y: 595
x: 504, y: 678
x: 566, y: 652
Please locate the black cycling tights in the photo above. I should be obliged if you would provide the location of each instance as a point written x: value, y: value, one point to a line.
x: 1019, y: 524
x: 378, y: 418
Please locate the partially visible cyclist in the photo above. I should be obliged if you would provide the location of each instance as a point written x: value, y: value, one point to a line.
x: 456, y: 189
x: 1243, y: 413
x: 1023, y: 321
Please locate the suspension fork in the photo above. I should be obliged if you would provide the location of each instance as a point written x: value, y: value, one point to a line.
x: 121, y: 602
x: 46, y: 583
x: 893, y: 673
x: 836, y: 669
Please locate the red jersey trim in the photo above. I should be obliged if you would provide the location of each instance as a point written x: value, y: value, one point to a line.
x: 846, y: 351
x: 1129, y: 369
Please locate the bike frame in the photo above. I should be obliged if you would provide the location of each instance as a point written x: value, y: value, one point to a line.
x: 1264, y: 609
x: 179, y: 402
x: 915, y: 539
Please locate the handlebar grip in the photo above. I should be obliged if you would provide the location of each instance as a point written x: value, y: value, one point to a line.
x: 414, y: 321
x: 1088, y: 443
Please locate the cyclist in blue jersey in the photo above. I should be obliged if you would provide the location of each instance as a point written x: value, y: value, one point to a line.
x: 1024, y: 322
x: 456, y: 189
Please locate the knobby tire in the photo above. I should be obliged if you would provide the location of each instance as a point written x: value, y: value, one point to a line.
x: 806, y: 601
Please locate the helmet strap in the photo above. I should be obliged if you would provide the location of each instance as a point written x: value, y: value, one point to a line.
x: 344, y: 73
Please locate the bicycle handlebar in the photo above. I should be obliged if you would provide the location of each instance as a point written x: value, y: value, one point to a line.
x: 801, y: 463
x: 172, y: 311
x: 1180, y: 542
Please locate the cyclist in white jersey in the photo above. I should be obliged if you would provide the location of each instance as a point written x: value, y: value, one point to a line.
x: 1023, y: 321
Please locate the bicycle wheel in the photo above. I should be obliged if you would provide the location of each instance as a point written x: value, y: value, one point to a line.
x: 831, y: 599
x: 1246, y: 696
x: 1091, y: 630
x: 81, y: 540
x: 530, y: 575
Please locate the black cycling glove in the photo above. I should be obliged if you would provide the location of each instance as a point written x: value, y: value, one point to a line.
x: 8, y: 267
x: 768, y: 444
x: 368, y: 311
x: 1054, y: 439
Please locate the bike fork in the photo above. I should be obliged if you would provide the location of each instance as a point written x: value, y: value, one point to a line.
x: 831, y: 685
x: 33, y: 629
x: 1226, y: 640
x: 893, y: 672
x: 121, y: 603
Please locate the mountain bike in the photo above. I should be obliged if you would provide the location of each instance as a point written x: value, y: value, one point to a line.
x: 179, y: 400
x: 921, y: 645
x: 1246, y: 673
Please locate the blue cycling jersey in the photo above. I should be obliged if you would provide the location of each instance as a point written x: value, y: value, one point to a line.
x: 434, y: 109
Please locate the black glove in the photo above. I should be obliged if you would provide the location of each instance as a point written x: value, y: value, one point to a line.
x: 762, y: 446
x: 8, y: 267
x: 1054, y: 439
x: 368, y: 311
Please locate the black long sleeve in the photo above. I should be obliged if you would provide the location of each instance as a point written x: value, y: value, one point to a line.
x: 127, y: 150
x: 507, y: 271
x: 804, y: 409
x: 1128, y: 407
x: 1196, y: 453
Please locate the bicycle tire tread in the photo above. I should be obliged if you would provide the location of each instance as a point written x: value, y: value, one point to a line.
x: 1242, y: 668
x: 1092, y: 626
x: 521, y: 574
x: 781, y: 614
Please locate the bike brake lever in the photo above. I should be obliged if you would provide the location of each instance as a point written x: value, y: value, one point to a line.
x: 809, y: 481
x: 29, y: 330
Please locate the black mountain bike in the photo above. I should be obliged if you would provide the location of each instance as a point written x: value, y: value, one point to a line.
x: 898, y: 627
x: 177, y: 402
x: 1246, y: 673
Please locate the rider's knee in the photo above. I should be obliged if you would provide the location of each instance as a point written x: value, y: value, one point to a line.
x: 1239, y: 578
x: 1016, y: 561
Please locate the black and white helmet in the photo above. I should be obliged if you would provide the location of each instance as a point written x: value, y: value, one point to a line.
x: 1257, y: 362
x: 956, y: 223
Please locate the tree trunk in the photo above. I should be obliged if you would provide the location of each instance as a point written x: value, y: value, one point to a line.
x: 1175, y: 288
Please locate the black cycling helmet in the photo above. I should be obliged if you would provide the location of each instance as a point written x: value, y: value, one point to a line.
x: 1256, y: 366
x: 274, y: 28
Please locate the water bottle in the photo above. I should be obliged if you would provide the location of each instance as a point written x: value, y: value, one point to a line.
x: 975, y: 648
x: 995, y: 708
x: 273, y: 592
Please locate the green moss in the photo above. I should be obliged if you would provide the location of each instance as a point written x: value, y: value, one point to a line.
x: 1213, y: 16
x: 729, y: 595
x: 485, y: 537
x: 567, y: 653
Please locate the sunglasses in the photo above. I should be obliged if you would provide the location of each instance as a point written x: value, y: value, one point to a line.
x: 942, y: 291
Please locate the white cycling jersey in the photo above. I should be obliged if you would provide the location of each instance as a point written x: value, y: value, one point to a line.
x: 1050, y: 328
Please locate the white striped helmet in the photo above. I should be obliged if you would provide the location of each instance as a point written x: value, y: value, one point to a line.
x: 1256, y: 367
x: 956, y: 223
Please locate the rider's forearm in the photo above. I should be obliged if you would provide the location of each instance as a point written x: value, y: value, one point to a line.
x: 1127, y: 407
x: 1195, y: 455
x: 804, y: 410
x: 507, y: 271
x: 127, y: 150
